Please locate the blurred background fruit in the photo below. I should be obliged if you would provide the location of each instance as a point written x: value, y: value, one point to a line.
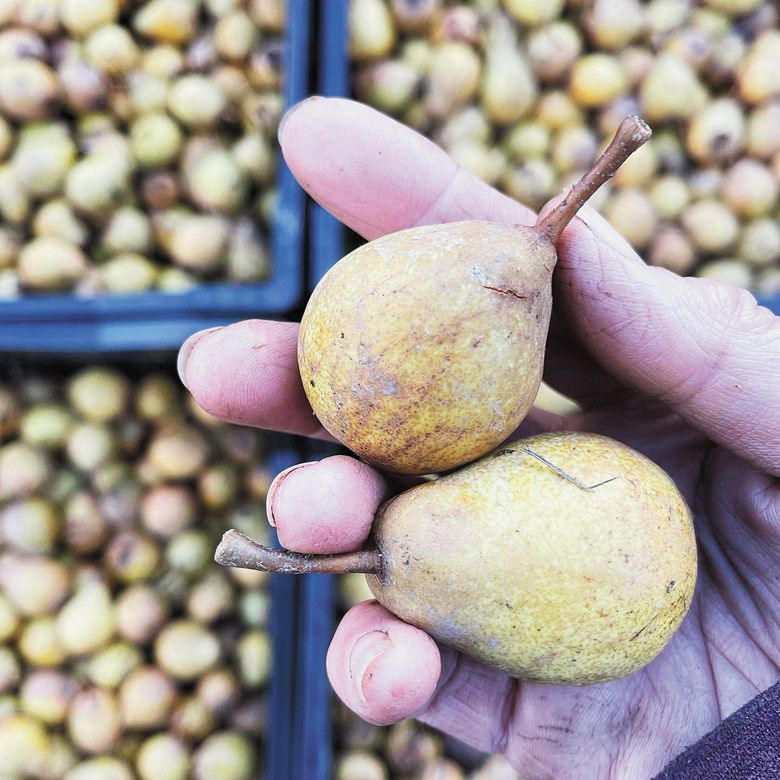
x: 138, y: 152
x: 119, y: 120
x: 525, y: 94
x: 125, y: 651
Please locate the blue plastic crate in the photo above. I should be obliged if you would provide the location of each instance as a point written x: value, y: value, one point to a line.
x: 281, y: 452
x: 773, y: 304
x: 158, y: 320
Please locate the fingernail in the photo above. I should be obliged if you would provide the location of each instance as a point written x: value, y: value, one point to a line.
x: 186, y: 350
x: 277, y: 481
x: 368, y: 648
x: 290, y: 111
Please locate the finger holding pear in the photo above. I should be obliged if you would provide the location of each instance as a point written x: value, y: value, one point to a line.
x: 400, y: 337
x: 563, y: 558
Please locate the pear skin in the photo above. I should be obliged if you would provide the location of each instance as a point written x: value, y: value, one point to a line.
x: 423, y: 350
x: 513, y: 564
x: 424, y: 347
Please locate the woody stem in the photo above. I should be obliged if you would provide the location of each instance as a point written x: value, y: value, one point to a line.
x: 632, y: 133
x: 238, y: 550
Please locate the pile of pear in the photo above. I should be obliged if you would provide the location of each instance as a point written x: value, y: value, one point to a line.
x: 564, y: 558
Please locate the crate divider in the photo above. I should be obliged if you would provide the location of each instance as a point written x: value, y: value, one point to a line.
x: 328, y: 234
x: 285, y: 607
x: 313, y: 737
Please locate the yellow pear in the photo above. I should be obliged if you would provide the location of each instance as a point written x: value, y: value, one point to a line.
x: 423, y: 350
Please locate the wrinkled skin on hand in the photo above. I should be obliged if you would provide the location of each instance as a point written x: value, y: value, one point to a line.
x: 686, y: 371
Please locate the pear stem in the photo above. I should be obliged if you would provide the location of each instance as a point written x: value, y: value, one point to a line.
x: 632, y: 133
x: 238, y: 550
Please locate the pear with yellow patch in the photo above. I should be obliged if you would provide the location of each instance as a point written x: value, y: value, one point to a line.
x: 423, y: 350
x: 563, y: 558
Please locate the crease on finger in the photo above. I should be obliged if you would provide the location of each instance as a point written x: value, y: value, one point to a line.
x: 469, y: 701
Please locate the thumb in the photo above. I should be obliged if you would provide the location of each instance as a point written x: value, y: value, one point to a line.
x: 705, y: 348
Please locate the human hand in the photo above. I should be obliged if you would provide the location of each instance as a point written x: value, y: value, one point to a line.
x: 686, y: 371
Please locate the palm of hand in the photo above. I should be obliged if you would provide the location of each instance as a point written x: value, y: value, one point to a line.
x: 685, y: 371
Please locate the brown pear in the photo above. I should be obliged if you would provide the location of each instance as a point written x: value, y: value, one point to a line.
x: 423, y: 350
x: 563, y: 558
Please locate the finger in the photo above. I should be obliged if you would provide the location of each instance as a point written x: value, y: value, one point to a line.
x: 378, y: 176
x: 382, y: 668
x: 569, y: 367
x: 386, y: 670
x: 473, y: 703
x: 326, y: 506
x: 704, y: 348
x: 247, y: 373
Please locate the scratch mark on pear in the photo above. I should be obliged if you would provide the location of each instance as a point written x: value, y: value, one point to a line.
x: 505, y: 291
